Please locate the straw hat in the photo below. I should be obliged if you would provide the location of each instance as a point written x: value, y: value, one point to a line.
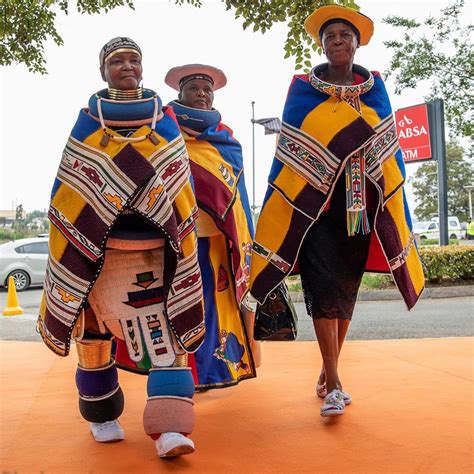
x: 174, y: 77
x: 317, y: 19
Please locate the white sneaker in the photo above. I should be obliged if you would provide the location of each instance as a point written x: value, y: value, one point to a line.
x: 173, y: 444
x: 107, y: 432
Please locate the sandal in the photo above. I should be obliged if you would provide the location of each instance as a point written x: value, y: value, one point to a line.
x: 333, y: 404
x: 321, y: 392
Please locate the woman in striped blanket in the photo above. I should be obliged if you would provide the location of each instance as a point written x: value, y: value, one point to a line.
x: 225, y: 231
x: 335, y: 205
x: 123, y: 256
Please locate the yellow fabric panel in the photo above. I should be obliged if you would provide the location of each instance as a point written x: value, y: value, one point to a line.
x: 397, y: 210
x: 241, y: 221
x: 185, y: 201
x: 229, y: 318
x: 392, y: 175
x: 205, y: 155
x: 290, y: 181
x: 328, y: 119
x: 206, y: 227
x: 112, y: 148
x: 145, y: 147
x: 69, y: 203
x: 273, y: 226
x: 369, y: 115
x: 415, y: 270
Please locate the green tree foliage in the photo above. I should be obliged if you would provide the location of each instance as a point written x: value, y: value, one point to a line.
x: 26, y: 25
x: 19, y: 223
x: 262, y: 15
x: 425, y: 184
x: 439, y: 50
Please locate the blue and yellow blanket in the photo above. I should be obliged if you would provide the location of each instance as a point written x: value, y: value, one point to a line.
x: 323, y: 126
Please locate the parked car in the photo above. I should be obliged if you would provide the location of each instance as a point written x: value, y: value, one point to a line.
x: 25, y: 260
x: 430, y: 229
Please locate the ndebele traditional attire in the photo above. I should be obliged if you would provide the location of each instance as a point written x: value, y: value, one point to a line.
x: 123, y: 242
x: 225, y: 235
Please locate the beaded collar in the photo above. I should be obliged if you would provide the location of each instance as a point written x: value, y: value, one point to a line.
x: 341, y: 91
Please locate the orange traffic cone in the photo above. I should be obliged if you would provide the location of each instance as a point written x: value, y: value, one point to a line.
x: 13, y: 307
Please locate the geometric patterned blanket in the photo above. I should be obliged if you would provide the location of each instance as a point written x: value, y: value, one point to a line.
x: 320, y: 132
x: 94, y: 185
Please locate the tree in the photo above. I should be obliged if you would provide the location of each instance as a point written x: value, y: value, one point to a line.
x: 19, y: 223
x: 460, y: 172
x: 441, y: 51
x: 27, y: 24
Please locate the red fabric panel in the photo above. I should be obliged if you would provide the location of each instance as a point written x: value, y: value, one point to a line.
x: 192, y: 364
x: 376, y: 262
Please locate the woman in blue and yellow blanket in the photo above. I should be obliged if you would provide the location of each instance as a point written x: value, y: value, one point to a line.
x: 123, y: 256
x: 335, y: 205
x: 224, y: 226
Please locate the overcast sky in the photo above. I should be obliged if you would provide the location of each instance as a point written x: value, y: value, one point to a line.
x: 38, y: 112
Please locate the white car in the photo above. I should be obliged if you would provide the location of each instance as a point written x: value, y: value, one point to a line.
x: 430, y: 229
x: 25, y: 260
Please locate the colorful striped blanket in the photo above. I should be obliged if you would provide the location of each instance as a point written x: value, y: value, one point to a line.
x: 95, y: 183
x: 323, y: 126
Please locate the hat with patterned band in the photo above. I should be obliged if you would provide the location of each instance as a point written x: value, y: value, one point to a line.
x: 178, y: 76
x: 316, y: 22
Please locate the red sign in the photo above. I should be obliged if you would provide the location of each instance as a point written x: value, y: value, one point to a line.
x: 414, y: 133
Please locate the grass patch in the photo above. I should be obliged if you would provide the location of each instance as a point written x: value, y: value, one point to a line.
x: 436, y: 242
x: 376, y: 281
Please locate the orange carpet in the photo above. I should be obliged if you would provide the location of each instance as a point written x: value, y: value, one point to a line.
x: 412, y: 412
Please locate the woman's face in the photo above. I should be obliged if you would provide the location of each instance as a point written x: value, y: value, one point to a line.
x: 198, y: 94
x: 339, y: 44
x: 123, y: 71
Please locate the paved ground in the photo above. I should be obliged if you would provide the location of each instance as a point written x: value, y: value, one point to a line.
x: 443, y: 317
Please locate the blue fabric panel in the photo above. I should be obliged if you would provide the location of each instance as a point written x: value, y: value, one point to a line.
x: 407, y: 211
x: 56, y: 185
x: 277, y: 166
x: 172, y: 382
x: 377, y: 98
x: 302, y: 99
x: 85, y: 126
x: 210, y: 368
x: 167, y: 127
x: 400, y: 162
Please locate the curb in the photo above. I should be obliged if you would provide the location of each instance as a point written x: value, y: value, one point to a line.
x: 393, y: 294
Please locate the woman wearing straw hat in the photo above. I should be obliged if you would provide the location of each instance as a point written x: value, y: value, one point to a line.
x: 123, y: 256
x: 335, y: 205
x: 224, y: 226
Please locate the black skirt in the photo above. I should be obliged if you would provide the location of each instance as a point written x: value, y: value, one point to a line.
x: 331, y: 263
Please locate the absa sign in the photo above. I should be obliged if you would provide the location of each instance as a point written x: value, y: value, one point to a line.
x: 413, y: 132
